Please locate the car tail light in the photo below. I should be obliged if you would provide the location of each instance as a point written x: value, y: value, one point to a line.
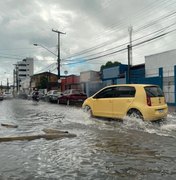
x: 165, y: 99
x: 149, y: 103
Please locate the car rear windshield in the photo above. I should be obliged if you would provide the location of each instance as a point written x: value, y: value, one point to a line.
x: 154, y: 91
x: 56, y: 92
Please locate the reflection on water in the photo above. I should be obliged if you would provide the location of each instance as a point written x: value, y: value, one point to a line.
x: 103, y: 149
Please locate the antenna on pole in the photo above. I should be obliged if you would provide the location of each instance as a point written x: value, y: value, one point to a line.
x: 130, y: 30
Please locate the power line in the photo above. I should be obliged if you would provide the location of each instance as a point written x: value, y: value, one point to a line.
x: 47, y: 67
x: 111, y: 41
x: 8, y: 57
x: 160, y: 30
x: 125, y: 43
x: 148, y: 40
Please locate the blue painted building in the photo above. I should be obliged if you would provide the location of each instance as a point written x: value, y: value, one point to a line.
x: 114, y: 75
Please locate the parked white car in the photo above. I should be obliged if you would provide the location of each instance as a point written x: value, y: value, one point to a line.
x: 1, y: 96
x: 7, y: 95
x: 53, y: 95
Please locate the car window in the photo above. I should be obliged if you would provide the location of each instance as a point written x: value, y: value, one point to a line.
x: 65, y: 92
x: 125, y: 91
x: 55, y: 92
x: 49, y: 92
x: 154, y: 91
x: 106, y: 93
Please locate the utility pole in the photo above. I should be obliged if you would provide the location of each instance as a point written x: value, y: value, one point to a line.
x: 17, y: 78
x: 130, y: 30
x: 129, y: 65
x: 58, y: 56
x: 7, y: 85
x: 1, y: 86
x: 14, y: 82
x: 129, y: 47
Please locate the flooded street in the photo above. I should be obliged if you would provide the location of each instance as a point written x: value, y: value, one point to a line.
x: 102, y: 149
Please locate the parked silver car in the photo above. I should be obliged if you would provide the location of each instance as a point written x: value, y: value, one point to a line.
x: 53, y: 95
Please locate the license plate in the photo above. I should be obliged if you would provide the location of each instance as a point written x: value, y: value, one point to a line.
x: 80, y: 100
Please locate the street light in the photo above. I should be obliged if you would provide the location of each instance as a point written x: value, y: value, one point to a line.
x: 45, y: 48
x: 35, y: 44
x: 57, y: 55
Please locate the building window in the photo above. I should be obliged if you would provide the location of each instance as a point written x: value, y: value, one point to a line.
x: 21, y: 64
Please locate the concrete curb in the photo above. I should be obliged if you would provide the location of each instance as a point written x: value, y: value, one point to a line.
x: 49, y: 135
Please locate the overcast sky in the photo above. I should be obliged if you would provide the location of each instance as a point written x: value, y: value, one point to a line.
x: 93, y: 28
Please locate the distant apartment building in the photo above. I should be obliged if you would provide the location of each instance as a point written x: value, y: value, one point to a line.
x: 23, y: 70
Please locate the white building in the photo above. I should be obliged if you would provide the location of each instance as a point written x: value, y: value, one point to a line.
x: 88, y: 76
x: 24, y: 69
x: 167, y: 61
x: 25, y: 85
x: 90, y: 82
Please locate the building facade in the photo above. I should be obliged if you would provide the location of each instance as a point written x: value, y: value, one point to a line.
x: 90, y: 82
x: 45, y: 80
x: 24, y: 69
x: 70, y: 82
x: 166, y: 61
x: 114, y: 75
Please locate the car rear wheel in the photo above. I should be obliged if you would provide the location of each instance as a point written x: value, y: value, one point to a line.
x: 135, y: 114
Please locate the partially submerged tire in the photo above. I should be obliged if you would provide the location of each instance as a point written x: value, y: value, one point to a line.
x: 135, y: 114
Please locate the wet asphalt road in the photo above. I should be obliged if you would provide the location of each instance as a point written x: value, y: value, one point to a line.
x: 102, y: 149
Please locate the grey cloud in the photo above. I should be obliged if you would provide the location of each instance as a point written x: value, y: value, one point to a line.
x: 87, y: 23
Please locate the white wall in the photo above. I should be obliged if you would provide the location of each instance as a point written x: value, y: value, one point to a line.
x: 30, y: 61
x: 167, y: 60
x: 25, y: 85
x: 87, y: 76
x: 169, y: 93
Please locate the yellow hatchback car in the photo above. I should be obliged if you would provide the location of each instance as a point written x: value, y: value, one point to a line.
x: 142, y: 101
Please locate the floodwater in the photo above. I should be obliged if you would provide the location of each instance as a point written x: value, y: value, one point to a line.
x: 102, y: 149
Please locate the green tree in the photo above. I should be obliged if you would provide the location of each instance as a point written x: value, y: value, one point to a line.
x: 43, y: 83
x: 109, y: 64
